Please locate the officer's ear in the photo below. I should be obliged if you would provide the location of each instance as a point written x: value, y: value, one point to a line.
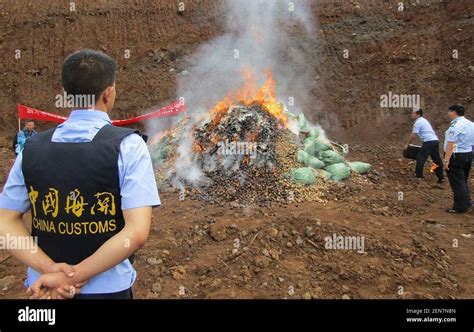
x: 108, y: 95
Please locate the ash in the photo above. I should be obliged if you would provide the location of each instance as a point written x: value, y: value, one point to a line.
x: 242, y: 136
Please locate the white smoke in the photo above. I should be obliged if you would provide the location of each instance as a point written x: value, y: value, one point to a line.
x: 261, y: 35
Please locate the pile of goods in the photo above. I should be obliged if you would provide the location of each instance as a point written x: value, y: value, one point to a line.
x: 247, y: 154
x: 323, y: 157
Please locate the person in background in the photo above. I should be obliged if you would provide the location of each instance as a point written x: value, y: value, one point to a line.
x: 458, y: 158
x: 21, y: 137
x: 430, y: 146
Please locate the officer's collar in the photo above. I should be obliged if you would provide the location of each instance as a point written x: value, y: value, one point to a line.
x: 456, y: 119
x: 89, y: 114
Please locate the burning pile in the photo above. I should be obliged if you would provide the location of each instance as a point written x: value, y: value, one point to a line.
x: 243, y: 152
x: 243, y: 155
x: 244, y: 135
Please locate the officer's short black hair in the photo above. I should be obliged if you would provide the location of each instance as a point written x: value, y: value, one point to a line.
x: 458, y: 108
x: 29, y: 120
x: 419, y: 112
x: 88, y: 72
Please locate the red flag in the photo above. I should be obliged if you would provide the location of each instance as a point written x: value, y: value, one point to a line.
x: 25, y: 112
x: 170, y: 110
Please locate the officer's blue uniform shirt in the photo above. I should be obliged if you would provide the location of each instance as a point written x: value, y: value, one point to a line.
x: 21, y: 138
x: 137, y: 188
x: 461, y: 134
x: 423, y: 129
x: 472, y: 135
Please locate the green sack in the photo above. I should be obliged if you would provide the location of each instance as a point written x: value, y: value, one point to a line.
x: 314, y: 162
x: 360, y: 167
x: 339, y: 171
x: 310, y: 138
x: 330, y: 157
x: 159, y: 152
x: 313, y: 145
x: 309, y: 147
x: 314, y: 132
x: 303, y: 124
x: 324, y: 174
x: 290, y: 115
x: 302, y: 156
x: 303, y: 175
x: 308, y: 160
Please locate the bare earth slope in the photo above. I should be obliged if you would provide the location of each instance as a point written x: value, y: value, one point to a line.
x: 409, y: 242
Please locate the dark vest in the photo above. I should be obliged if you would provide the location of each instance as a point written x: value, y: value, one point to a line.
x: 74, y: 192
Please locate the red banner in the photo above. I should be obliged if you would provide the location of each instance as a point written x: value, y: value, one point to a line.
x: 170, y: 110
x: 25, y: 112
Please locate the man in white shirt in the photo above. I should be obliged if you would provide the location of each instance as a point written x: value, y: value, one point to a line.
x: 430, y: 146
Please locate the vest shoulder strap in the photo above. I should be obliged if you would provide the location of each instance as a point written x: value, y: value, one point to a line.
x: 43, y: 137
x: 106, y: 133
x: 111, y: 133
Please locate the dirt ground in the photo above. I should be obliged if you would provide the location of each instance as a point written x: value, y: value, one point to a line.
x: 413, y: 249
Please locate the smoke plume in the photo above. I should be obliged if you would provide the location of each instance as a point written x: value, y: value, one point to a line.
x: 261, y: 35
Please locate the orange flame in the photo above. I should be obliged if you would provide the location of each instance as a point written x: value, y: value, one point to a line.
x: 197, y: 148
x: 215, y: 138
x: 249, y: 94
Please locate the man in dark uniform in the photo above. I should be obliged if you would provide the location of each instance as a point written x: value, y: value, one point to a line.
x: 90, y: 188
x: 458, y: 160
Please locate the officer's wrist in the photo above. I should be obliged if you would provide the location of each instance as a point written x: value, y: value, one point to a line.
x: 45, y: 265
